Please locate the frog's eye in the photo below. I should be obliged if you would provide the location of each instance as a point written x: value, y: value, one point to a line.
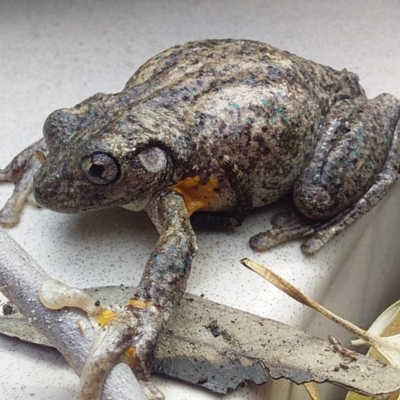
x: 153, y: 159
x: 101, y: 168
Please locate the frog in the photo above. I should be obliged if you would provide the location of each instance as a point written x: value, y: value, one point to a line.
x: 219, y: 127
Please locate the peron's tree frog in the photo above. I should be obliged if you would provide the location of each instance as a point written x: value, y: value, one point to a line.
x: 218, y: 126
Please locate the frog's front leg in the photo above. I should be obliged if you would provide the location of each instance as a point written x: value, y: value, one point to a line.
x: 132, y: 335
x: 164, y: 278
x: 354, y: 165
x: 20, y: 171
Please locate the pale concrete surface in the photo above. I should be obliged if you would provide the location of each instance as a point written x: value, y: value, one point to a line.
x: 55, y: 54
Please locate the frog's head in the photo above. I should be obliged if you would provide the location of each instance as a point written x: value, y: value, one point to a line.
x: 98, y: 166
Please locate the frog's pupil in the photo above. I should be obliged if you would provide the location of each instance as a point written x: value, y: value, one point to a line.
x: 96, y: 170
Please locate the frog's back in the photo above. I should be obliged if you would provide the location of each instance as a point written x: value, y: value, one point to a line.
x: 225, y: 59
x: 257, y: 105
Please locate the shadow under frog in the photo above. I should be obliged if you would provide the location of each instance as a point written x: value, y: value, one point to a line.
x: 220, y: 126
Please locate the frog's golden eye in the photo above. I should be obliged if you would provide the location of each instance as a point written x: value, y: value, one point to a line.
x: 101, y: 168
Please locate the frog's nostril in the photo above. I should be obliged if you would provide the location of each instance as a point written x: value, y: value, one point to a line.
x: 44, y: 192
x: 50, y: 187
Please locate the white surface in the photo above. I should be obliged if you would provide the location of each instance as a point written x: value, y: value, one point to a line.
x: 55, y: 54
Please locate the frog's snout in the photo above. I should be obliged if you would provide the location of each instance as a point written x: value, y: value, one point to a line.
x: 46, y: 191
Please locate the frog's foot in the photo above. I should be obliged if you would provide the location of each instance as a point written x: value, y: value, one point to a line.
x: 285, y: 227
x: 293, y: 226
x: 353, y: 167
x: 129, y: 336
x: 20, y: 171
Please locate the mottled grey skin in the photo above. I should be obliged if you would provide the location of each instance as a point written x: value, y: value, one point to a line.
x: 262, y: 121
x: 258, y: 105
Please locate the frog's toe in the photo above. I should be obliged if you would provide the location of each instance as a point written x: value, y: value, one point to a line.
x: 6, y: 175
x: 11, y: 212
x: 262, y: 241
x: 275, y: 236
x: 9, y: 217
x: 311, y: 245
x: 20, y: 171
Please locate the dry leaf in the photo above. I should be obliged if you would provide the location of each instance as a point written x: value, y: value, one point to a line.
x: 218, y: 347
x: 389, y: 347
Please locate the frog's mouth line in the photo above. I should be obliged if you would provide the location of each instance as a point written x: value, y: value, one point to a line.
x: 67, y: 206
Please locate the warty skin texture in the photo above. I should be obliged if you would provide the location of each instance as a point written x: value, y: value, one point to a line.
x: 259, y: 121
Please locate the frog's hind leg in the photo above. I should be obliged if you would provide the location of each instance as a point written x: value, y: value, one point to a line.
x: 327, y: 218
x: 20, y: 171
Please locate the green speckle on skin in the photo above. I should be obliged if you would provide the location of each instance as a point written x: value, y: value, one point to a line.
x: 234, y: 106
x: 159, y: 258
x: 249, y: 121
x: 356, y: 153
x: 265, y: 103
x: 280, y: 111
x: 181, y: 266
x: 359, y: 137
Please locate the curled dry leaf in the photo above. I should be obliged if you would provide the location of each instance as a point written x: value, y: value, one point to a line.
x: 389, y: 347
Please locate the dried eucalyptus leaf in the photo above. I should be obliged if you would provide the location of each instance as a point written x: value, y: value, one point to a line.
x: 389, y: 347
x: 219, y: 348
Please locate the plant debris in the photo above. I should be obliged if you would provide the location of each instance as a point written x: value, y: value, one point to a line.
x: 248, y: 348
